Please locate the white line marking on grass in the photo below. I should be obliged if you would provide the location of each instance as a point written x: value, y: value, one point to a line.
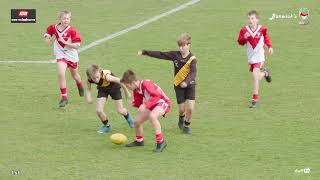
x: 114, y: 35
x: 27, y: 62
x: 137, y: 26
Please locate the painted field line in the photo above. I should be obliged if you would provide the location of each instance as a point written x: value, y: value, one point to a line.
x: 137, y: 26
x: 114, y: 35
x: 27, y: 62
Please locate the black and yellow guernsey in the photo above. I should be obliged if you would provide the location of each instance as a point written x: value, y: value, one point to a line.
x: 185, y: 69
x: 104, y: 83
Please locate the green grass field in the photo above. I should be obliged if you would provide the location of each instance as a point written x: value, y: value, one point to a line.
x: 229, y: 140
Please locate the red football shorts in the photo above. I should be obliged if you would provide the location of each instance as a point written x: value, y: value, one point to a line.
x: 73, y: 65
x: 164, y: 105
x: 255, y: 65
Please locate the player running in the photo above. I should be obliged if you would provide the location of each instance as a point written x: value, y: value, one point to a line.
x: 255, y: 37
x: 67, y: 41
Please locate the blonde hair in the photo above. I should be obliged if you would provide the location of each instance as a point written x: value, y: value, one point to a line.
x: 184, y: 39
x: 64, y: 12
x: 253, y: 12
x: 92, y: 69
x: 128, y: 77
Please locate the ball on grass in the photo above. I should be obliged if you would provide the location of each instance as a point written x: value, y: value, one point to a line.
x: 118, y: 138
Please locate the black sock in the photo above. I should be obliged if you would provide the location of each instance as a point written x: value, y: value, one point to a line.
x: 105, y: 122
x: 126, y: 116
x: 187, y: 124
x: 181, y: 117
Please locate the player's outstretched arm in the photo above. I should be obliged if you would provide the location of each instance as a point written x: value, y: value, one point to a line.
x: 157, y: 54
x: 127, y: 94
x: 88, y: 93
x: 111, y: 78
x: 114, y: 79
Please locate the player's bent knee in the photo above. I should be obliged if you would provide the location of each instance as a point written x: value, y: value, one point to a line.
x: 136, y: 123
x: 181, y: 112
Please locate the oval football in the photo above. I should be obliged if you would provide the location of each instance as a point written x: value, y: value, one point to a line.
x: 118, y: 138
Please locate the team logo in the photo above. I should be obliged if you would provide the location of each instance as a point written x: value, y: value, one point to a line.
x: 304, y: 14
x: 176, y: 63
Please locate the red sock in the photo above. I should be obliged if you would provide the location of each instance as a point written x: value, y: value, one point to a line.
x: 139, y: 138
x: 159, y: 138
x: 63, y: 92
x: 255, y: 97
x: 79, y: 85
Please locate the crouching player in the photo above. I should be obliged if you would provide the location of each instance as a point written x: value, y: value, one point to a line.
x: 65, y: 49
x: 255, y: 37
x: 185, y: 71
x: 152, y: 103
x: 107, y: 84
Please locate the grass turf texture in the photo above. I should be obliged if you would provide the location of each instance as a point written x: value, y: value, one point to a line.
x: 229, y: 140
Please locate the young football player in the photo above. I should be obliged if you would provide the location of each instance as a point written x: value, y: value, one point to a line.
x: 255, y: 37
x: 107, y: 85
x: 67, y: 41
x: 152, y: 103
x: 185, y: 71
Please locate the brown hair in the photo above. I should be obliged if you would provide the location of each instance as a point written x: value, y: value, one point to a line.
x: 128, y: 77
x: 253, y: 12
x: 64, y: 12
x: 184, y: 39
x: 92, y: 69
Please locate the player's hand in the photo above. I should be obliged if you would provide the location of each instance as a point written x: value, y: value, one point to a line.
x: 48, y: 40
x: 270, y: 51
x: 183, y: 84
x: 140, y: 53
x: 246, y: 35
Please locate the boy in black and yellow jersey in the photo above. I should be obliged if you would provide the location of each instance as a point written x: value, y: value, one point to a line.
x: 107, y: 84
x: 185, y: 71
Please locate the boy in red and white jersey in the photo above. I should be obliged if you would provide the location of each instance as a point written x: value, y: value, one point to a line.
x: 255, y: 37
x: 152, y: 103
x: 65, y: 50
